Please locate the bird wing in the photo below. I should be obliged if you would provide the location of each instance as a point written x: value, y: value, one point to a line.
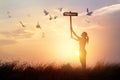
x: 87, y: 10
x: 46, y: 12
x: 55, y: 17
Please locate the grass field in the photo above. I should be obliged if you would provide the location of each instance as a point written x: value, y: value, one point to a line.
x: 11, y: 71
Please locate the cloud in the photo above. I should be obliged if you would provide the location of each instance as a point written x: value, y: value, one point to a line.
x: 17, y: 34
x: 4, y: 42
x: 108, y: 17
x: 104, y: 17
x: 104, y: 32
x: 107, y: 10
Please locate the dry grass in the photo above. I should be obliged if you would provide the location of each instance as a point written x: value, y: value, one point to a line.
x: 11, y: 71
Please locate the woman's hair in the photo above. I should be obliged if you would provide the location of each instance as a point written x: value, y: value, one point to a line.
x: 85, y: 35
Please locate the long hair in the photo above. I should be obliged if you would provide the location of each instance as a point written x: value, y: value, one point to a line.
x: 85, y: 35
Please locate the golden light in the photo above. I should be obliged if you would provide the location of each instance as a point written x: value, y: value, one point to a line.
x: 57, y: 42
x: 77, y: 52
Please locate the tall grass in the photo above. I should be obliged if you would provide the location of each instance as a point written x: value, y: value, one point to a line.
x: 11, y: 71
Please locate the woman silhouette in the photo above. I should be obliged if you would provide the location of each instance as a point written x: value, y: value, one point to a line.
x: 82, y: 43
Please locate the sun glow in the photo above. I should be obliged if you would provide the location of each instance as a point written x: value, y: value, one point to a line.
x: 77, y: 52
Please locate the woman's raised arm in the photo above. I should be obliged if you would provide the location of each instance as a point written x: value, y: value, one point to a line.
x: 72, y: 31
x: 77, y: 37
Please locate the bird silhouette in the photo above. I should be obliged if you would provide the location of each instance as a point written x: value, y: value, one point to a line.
x: 46, y: 12
x: 22, y: 24
x: 50, y: 18
x: 8, y: 13
x: 60, y: 9
x: 38, y: 25
x: 89, y: 13
x: 9, y: 16
x: 55, y: 17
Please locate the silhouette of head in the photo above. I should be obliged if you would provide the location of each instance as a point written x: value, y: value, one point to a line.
x: 84, y: 34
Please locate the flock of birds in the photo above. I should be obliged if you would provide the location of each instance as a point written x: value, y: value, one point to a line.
x: 50, y: 17
x: 46, y: 13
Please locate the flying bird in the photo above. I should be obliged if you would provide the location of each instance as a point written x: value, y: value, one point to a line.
x: 8, y: 13
x: 9, y: 16
x: 50, y: 18
x: 38, y: 25
x: 22, y: 24
x: 55, y: 17
x: 60, y: 9
x: 89, y: 13
x: 46, y: 12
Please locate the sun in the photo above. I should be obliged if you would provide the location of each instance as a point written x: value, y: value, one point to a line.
x: 77, y: 52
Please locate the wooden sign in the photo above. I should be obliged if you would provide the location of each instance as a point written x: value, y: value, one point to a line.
x: 70, y: 14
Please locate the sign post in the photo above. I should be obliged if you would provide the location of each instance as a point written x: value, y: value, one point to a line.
x: 70, y: 14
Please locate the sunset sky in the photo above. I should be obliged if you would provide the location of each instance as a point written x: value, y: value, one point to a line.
x: 27, y: 44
